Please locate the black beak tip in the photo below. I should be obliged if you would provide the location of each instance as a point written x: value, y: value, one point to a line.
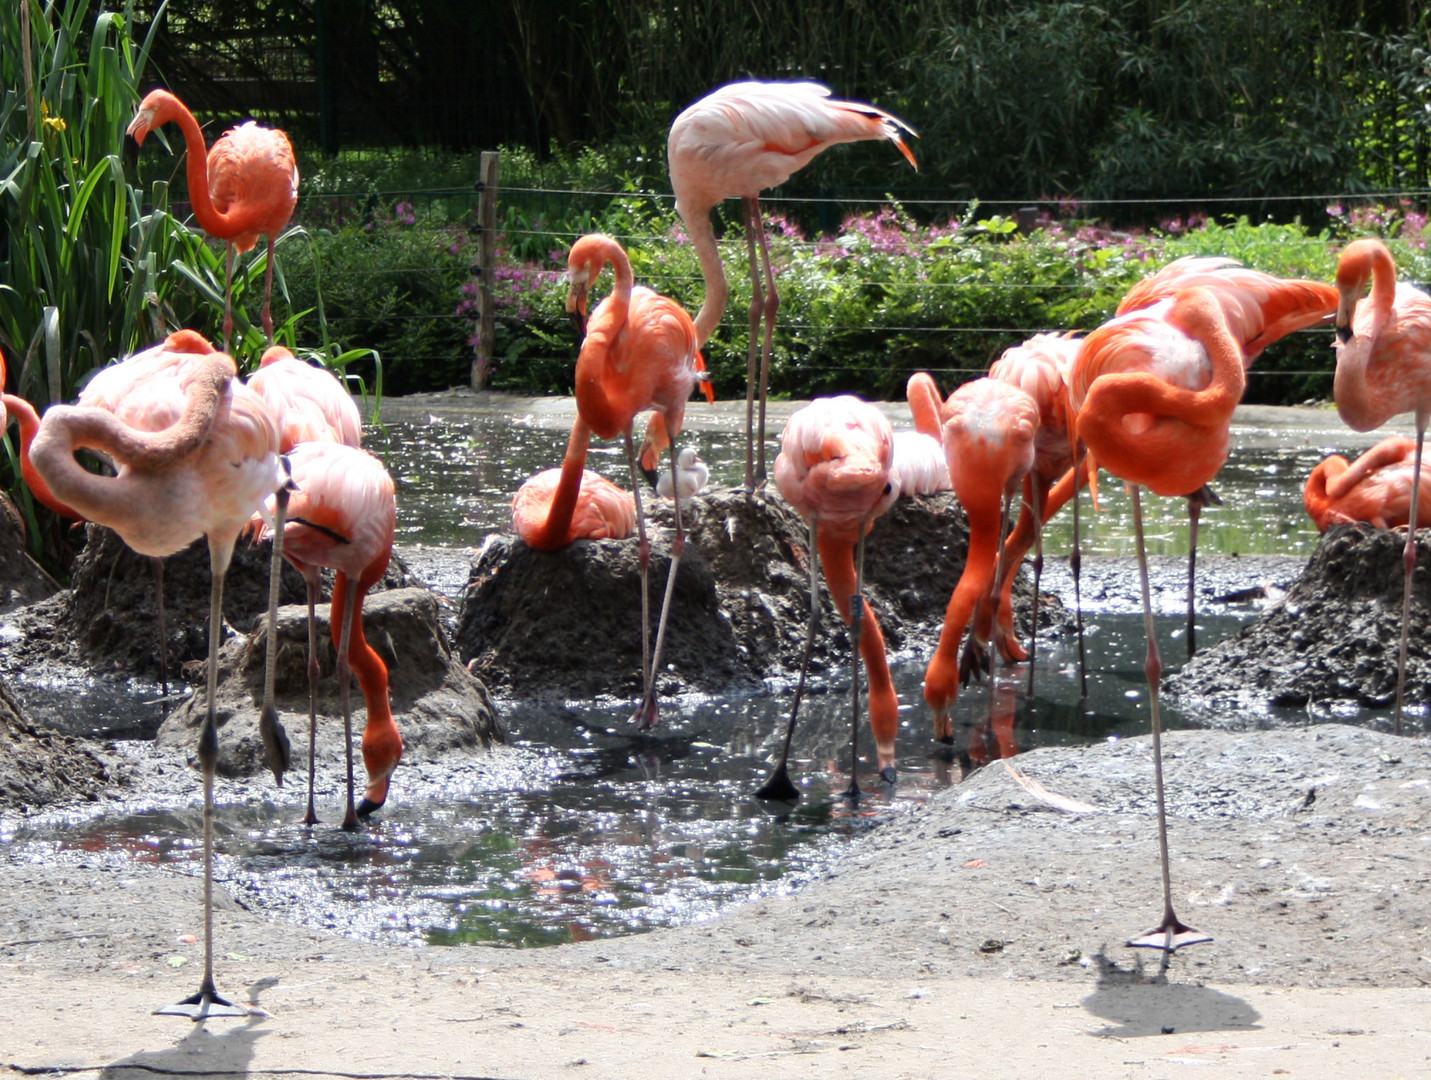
x: 1344, y: 334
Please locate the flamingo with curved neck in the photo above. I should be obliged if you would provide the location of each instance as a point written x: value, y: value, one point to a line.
x: 244, y: 187
x: 1384, y: 368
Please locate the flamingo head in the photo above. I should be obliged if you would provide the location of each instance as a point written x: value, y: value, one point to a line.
x: 1354, y: 270
x: 382, y: 750
x: 273, y: 354
x: 156, y: 110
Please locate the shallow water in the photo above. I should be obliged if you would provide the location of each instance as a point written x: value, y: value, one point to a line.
x: 579, y: 829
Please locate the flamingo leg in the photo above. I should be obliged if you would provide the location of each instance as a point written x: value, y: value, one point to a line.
x: 270, y: 727
x: 1036, y: 509
x: 994, y: 592
x: 345, y: 678
x: 314, y: 672
x: 752, y: 369
x: 1075, y: 565
x: 1170, y: 934
x: 158, y: 564
x: 643, y: 555
x: 857, y: 619
x: 1203, y: 496
x: 772, y: 305
x: 228, y: 294
x: 207, y: 1002
x: 1408, y: 560
x: 267, y: 315
x: 779, y: 788
x: 647, y: 715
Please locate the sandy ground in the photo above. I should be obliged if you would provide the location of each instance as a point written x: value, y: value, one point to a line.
x: 980, y: 936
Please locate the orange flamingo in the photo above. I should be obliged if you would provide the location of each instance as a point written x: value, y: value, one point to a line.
x: 919, y: 454
x: 835, y: 469
x: 310, y: 405
x: 1154, y: 391
x: 738, y: 141
x: 557, y: 507
x: 1384, y: 368
x: 989, y: 433
x: 1040, y: 367
x: 343, y: 515
x: 245, y: 187
x: 639, y: 353
x: 1375, y: 488
x: 1259, y: 308
x: 194, y: 457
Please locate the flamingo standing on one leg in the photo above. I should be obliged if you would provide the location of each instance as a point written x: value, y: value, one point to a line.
x: 244, y: 187
x: 1384, y: 368
x: 311, y: 405
x: 835, y: 469
x: 989, y: 434
x: 738, y: 141
x: 1154, y: 392
x: 343, y: 516
x: 639, y: 353
x: 200, y: 465
x: 1375, y: 488
x: 1259, y: 308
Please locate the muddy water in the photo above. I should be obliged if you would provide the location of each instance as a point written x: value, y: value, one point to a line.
x: 579, y: 829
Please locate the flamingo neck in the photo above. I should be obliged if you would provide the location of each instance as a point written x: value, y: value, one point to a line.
x: 1358, y: 402
x: 29, y: 422
x: 924, y: 405
x: 197, y: 172
x: 702, y: 234
x: 382, y: 741
x: 556, y: 530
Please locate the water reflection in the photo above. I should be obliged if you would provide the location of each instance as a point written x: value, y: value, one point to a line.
x: 578, y: 829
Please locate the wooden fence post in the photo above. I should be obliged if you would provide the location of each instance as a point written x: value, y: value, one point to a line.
x: 486, y: 268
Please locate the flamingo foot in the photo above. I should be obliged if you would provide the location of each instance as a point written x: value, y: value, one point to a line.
x: 204, y: 1004
x: 647, y: 715
x: 778, y: 788
x: 1170, y: 935
x: 973, y: 662
x: 276, y: 749
x: 366, y: 806
x: 309, y: 818
x: 889, y: 775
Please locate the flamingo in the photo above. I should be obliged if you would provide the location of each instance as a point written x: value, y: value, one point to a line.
x: 989, y: 433
x: 343, y: 516
x: 1259, y: 308
x: 311, y: 405
x: 1154, y: 391
x: 195, y: 456
x: 1384, y: 368
x: 835, y: 468
x: 1375, y: 488
x: 244, y: 187
x: 690, y: 476
x: 557, y: 507
x: 1039, y: 367
x: 640, y: 352
x: 919, y: 454
x: 738, y: 141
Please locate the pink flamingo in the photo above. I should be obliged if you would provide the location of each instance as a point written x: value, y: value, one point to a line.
x: 343, y: 516
x: 311, y: 405
x: 195, y: 456
x: 835, y: 469
x: 736, y: 142
x: 557, y: 507
x: 1384, y: 368
x: 1154, y: 391
x: 244, y: 187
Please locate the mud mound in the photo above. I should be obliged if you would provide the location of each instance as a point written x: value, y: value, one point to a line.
x: 567, y: 624
x: 1334, y: 637
x: 438, y: 704
x: 41, y: 767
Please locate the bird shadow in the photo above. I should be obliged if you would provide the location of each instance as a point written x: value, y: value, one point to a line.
x: 202, y: 1052
x: 1138, y: 1003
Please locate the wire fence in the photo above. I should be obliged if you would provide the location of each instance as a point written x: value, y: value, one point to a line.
x: 449, y: 213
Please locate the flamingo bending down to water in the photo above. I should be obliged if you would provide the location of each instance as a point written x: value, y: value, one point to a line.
x: 195, y: 454
x: 1384, y: 368
x: 736, y: 142
x: 1375, y: 488
x: 1258, y: 308
x: 310, y: 405
x: 990, y: 429
x: 835, y: 469
x: 1154, y: 391
x: 244, y: 187
x: 639, y: 353
x: 343, y: 516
